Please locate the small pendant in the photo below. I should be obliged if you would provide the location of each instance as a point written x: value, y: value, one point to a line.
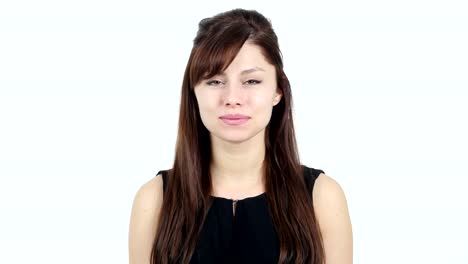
x: 234, y: 202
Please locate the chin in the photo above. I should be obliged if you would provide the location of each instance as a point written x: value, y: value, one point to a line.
x: 235, y: 136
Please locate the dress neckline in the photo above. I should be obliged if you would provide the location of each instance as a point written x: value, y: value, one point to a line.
x: 258, y: 196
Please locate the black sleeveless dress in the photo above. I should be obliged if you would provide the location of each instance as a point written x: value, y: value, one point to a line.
x: 248, y: 236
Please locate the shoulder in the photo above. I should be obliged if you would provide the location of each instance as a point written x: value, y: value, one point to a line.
x: 331, y: 211
x: 329, y: 199
x: 148, y: 198
x: 327, y: 190
x: 149, y: 195
x: 146, y: 207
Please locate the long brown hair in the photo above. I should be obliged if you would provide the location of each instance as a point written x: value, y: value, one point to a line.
x: 187, y: 196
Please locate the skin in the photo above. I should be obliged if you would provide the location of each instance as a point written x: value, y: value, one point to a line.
x: 238, y: 154
x: 247, y: 86
x: 331, y: 211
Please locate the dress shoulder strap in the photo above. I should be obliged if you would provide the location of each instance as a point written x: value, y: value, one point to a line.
x: 164, y: 178
x: 310, y: 175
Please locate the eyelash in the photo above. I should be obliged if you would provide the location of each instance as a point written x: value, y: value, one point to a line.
x: 213, y: 81
x: 256, y: 81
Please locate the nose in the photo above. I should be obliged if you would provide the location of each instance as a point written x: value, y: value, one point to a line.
x: 233, y: 95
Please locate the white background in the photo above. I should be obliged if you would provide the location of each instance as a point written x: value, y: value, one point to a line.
x: 89, y: 98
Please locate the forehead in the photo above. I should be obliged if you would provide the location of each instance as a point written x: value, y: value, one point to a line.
x: 249, y: 56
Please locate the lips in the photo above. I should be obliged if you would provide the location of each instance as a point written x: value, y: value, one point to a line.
x: 234, y: 116
x: 236, y: 119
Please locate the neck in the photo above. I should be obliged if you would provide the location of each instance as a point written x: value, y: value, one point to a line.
x: 238, y: 167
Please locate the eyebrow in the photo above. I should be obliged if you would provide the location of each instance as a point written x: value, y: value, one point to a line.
x: 252, y: 70
x: 247, y: 71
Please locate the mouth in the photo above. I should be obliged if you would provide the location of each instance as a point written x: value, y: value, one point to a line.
x: 234, y: 116
x: 235, y: 120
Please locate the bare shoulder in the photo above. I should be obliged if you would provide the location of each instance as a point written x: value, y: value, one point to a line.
x: 331, y: 211
x: 149, y: 193
x: 144, y: 218
x: 148, y: 198
x: 327, y: 190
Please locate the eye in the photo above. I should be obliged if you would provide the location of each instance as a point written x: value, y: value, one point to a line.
x: 252, y: 82
x: 213, y: 82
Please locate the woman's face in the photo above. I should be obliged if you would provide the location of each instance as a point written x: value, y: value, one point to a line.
x: 237, y: 104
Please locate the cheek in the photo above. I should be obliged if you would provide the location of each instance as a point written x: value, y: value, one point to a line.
x: 202, y: 100
x: 207, y: 105
x: 263, y: 101
x: 207, y: 108
x: 262, y: 111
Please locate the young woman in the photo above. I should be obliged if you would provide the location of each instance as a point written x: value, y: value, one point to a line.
x: 237, y: 192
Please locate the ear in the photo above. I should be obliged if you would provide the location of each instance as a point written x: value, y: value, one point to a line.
x: 277, y: 97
